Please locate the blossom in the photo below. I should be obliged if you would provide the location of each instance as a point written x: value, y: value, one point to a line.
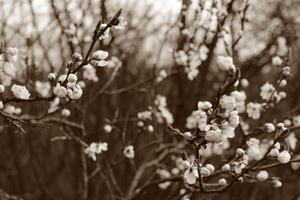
x: 277, y: 61
x: 99, y: 57
x: 284, y: 157
x: 214, y: 134
x: 277, y: 183
x: 228, y: 102
x: 222, y: 182
x: 226, y: 63
x: 253, y: 110
x: 129, y: 151
x: 190, y: 175
x: 204, y: 171
x: 60, y: 91
x: 262, y: 175
x: 244, y: 83
x: 75, y: 92
x: 72, y: 78
x: 226, y: 167
x: 266, y: 91
x: 65, y: 112
x: 51, y: 76
x: 234, y: 119
x: 204, y: 105
x: 89, y: 73
x: 42, y: 88
x: 269, y: 127
x: 181, y: 58
x: 107, y: 128
x: 20, y: 92
x: 95, y: 148
x: 210, y: 167
x: 1, y: 105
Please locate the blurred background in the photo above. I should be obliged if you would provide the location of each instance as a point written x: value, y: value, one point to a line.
x: 47, y: 33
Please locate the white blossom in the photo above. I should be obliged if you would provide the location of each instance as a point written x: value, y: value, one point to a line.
x: 20, y: 92
x: 60, y: 91
x: 262, y: 175
x: 129, y: 151
x: 75, y: 92
x: 253, y: 110
x: 65, y: 112
x: 266, y: 91
x: 226, y: 63
x: 96, y: 148
x: 284, y: 156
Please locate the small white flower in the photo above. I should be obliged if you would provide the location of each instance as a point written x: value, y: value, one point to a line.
x: 277, y: 61
x: 107, y: 128
x: 234, y: 119
x: 95, y: 148
x: 274, y: 153
x: 210, y: 167
x: 189, y: 176
x: 65, y: 112
x: 181, y: 58
x: 266, y: 91
x: 226, y: 63
x: 253, y: 110
x: 228, y: 102
x: 150, y: 128
x: 283, y: 83
x: 204, y: 171
x: 75, y: 92
x: 72, y: 78
x: 222, y: 182
x: 60, y: 91
x: 99, y: 55
x: 129, y: 151
x: 226, y: 168
x: 1, y: 105
x: 244, y: 83
x: 204, y: 105
x: 188, y: 135
x: 214, y: 135
x: 20, y: 92
x: 62, y: 78
x: 284, y: 157
x: 51, y: 76
x: 277, y: 183
x: 262, y: 175
x: 269, y: 127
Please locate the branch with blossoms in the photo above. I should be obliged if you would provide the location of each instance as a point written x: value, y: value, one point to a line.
x: 124, y: 112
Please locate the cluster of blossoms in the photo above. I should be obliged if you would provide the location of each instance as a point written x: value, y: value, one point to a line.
x: 145, y: 117
x: 163, y: 114
x: 72, y: 90
x: 95, y: 148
